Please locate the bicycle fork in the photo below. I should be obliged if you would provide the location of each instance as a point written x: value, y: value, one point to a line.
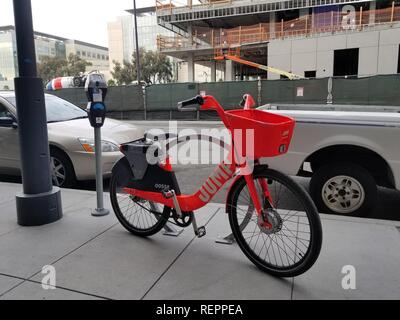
x: 258, y: 205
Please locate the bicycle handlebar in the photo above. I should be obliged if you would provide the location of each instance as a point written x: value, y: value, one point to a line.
x: 195, y: 104
x: 205, y: 103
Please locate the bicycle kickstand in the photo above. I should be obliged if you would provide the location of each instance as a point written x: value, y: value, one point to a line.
x: 230, y: 239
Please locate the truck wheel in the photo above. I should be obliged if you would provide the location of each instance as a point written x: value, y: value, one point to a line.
x: 344, y: 189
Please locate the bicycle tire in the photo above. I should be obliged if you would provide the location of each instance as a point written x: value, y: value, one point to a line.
x: 308, y: 258
x: 137, y: 229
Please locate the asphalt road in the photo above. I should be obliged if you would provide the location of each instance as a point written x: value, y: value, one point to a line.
x: 191, y: 177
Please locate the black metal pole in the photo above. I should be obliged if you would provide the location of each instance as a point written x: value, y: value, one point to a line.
x: 138, y: 71
x: 39, y: 203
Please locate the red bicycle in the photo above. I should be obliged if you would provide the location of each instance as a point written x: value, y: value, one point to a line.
x: 273, y: 219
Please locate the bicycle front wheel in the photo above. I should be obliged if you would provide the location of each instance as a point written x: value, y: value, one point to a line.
x: 292, y: 245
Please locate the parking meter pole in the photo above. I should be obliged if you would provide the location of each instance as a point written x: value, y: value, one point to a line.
x: 40, y: 202
x: 96, y: 91
x: 100, y: 211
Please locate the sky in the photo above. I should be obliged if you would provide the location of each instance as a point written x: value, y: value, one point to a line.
x: 84, y: 20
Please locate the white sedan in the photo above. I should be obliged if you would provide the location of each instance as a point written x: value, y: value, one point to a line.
x: 71, y: 140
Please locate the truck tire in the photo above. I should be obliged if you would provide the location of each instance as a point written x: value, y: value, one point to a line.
x: 344, y: 189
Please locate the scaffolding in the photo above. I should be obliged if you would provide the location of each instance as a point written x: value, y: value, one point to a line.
x: 304, y: 26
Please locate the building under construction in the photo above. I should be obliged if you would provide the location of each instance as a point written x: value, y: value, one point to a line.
x: 303, y: 38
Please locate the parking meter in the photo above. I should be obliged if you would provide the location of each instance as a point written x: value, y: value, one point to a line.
x: 96, y: 87
x: 96, y: 91
x: 97, y: 114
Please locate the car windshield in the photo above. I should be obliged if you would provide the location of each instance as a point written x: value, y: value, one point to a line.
x: 58, y: 110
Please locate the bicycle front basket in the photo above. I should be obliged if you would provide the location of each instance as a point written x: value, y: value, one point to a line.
x: 259, y: 134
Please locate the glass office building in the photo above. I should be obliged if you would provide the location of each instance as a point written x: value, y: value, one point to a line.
x: 8, y: 58
x: 46, y: 45
x: 148, y: 29
x: 121, y: 34
x: 49, y: 46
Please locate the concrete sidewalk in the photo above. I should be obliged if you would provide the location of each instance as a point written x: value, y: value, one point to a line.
x: 95, y: 258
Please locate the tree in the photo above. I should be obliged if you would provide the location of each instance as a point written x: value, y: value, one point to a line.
x: 76, y: 65
x: 155, y: 68
x: 147, y: 65
x: 163, y: 68
x: 111, y: 83
x: 123, y: 74
x: 53, y: 67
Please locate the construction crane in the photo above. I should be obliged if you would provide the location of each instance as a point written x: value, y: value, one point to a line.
x: 227, y: 54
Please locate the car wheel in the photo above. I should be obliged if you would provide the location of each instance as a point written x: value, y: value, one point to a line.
x: 344, y: 189
x: 62, y: 171
x: 77, y: 82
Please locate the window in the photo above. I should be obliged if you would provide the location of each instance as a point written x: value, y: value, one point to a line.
x: 57, y: 109
x: 310, y: 74
x: 4, y: 113
x: 287, y: 15
x: 383, y: 4
x: 398, y: 62
x: 78, y: 53
x: 345, y: 62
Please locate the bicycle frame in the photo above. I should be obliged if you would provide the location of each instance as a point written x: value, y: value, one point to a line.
x: 224, y: 172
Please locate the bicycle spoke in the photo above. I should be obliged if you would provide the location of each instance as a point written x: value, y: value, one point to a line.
x: 138, y: 213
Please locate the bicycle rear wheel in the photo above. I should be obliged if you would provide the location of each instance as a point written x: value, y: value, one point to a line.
x: 140, y: 217
x: 293, y: 244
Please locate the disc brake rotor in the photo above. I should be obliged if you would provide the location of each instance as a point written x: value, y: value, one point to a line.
x: 270, y: 222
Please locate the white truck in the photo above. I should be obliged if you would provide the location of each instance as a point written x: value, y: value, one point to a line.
x: 346, y: 154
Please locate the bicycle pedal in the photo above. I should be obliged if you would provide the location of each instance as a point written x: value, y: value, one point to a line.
x: 201, y: 232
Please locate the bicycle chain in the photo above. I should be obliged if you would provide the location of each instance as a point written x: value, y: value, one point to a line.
x: 160, y: 215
